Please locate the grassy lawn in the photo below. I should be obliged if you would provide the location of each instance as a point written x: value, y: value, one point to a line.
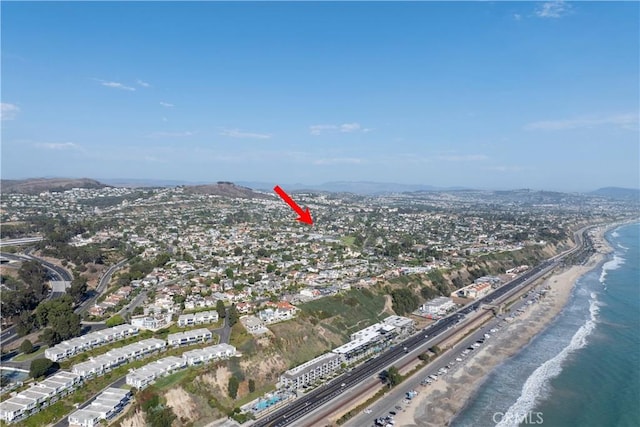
x: 22, y: 357
x: 348, y: 312
x: 171, y: 380
x: 53, y: 413
x: 348, y: 240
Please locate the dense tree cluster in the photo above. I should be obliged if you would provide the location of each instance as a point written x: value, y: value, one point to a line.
x: 56, y: 316
x: 404, y: 301
x: 40, y: 367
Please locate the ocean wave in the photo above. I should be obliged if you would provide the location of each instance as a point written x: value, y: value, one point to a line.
x: 613, y: 264
x: 615, y: 233
x: 538, y: 382
x: 622, y: 246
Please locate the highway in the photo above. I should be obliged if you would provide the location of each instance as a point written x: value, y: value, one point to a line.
x: 102, y: 286
x: 333, y: 389
x: 21, y: 241
x: 55, y: 272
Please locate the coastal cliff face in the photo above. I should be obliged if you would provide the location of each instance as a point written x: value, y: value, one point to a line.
x: 431, y: 285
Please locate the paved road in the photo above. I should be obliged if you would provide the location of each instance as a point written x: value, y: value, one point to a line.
x: 21, y: 241
x: 102, y: 286
x: 224, y: 331
x: 8, y: 335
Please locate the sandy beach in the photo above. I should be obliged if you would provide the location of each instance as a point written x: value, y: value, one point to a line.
x: 438, y: 403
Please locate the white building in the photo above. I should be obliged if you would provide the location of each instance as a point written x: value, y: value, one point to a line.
x: 189, y: 337
x: 103, y: 363
x: 437, y: 307
x: 108, y: 404
x: 151, y: 322
x: 86, y: 342
x: 310, y: 371
x: 207, y: 354
x: 38, y: 395
x: 142, y: 377
x: 198, y: 318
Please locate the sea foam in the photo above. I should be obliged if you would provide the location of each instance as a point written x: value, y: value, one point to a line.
x: 613, y: 264
x: 537, y: 383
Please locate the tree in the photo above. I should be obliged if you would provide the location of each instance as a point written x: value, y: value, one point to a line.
x: 237, y: 251
x: 229, y: 273
x: 39, y: 367
x: 25, y: 323
x: 252, y: 386
x: 271, y: 268
x: 233, y: 386
x: 50, y: 337
x: 233, y: 315
x: 393, y: 376
x: 26, y: 347
x: 138, y: 310
x: 78, y: 288
x: 222, y: 313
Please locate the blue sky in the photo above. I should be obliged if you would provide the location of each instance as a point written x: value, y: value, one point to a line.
x: 487, y: 95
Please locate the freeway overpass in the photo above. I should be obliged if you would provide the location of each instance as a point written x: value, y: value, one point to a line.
x: 20, y: 242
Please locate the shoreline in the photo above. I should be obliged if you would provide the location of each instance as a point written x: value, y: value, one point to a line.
x: 439, y: 403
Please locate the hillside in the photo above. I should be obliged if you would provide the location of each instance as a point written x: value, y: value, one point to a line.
x: 39, y: 185
x: 226, y: 189
x: 617, y: 193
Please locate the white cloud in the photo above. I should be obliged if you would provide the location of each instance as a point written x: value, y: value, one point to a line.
x: 463, y: 158
x: 116, y: 85
x: 553, y: 9
x: 235, y: 133
x: 8, y: 111
x: 318, y: 129
x: 338, y: 160
x: 170, y: 134
x: 58, y: 145
x: 142, y: 83
x: 166, y: 104
x: 517, y: 16
x: 349, y: 127
x: 627, y: 121
x: 344, y: 128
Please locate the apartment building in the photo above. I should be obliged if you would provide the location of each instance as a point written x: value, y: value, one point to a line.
x: 91, y: 340
x: 106, y: 406
x: 189, y: 337
x: 309, y: 372
x: 102, y: 364
x: 197, y: 318
x: 142, y: 377
x: 207, y: 354
x: 38, y: 396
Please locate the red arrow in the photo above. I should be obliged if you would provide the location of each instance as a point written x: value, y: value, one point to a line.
x: 305, y: 215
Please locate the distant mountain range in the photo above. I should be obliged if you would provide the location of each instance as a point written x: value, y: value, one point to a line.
x: 38, y: 185
x: 617, y: 193
x: 226, y: 189
x: 244, y: 188
x: 356, y: 187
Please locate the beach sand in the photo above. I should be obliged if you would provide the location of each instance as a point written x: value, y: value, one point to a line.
x: 438, y: 403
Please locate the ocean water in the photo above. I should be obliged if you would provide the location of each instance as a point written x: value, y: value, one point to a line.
x: 584, y: 369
